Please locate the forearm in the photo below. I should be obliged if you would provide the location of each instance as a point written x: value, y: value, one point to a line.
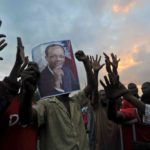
x: 25, y: 112
x: 89, y: 74
x: 113, y: 114
x: 12, y: 86
x: 95, y: 95
x: 134, y: 101
x: 14, y: 72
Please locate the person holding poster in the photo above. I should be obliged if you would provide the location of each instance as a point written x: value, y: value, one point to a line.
x: 57, y: 77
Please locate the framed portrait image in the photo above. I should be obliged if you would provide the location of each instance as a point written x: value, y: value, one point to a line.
x: 57, y: 67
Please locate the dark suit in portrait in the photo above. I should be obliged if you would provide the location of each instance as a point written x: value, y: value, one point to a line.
x: 46, y: 83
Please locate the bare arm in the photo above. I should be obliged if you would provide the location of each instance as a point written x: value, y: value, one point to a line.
x: 9, y: 86
x: 115, y: 89
x: 96, y: 66
x: 90, y: 77
x: 29, y: 79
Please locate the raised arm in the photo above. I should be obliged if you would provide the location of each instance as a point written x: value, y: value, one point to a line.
x: 9, y: 86
x: 115, y: 89
x: 111, y: 68
x: 90, y: 76
x: 29, y: 79
x: 96, y: 66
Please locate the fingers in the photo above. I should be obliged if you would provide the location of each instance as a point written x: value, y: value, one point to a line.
x: 19, y: 42
x: 2, y: 35
x: 106, y: 56
x: 103, y: 84
x: 111, y: 79
x: 108, y: 66
x: 31, y: 69
x: 2, y: 42
x: 106, y: 81
x: 99, y: 59
x: 21, y: 69
x: 96, y: 57
x: 102, y: 66
x: 3, y: 46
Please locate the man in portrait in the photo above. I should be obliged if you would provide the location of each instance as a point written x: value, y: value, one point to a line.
x: 57, y: 77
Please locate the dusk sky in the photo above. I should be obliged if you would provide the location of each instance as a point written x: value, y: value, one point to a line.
x: 94, y: 26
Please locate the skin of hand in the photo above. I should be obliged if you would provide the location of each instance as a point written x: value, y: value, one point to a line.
x: 20, y: 56
x: 96, y: 63
x: 114, y: 63
x: 3, y: 44
x: 114, y: 89
x: 29, y: 77
x: 80, y: 56
x: 58, y: 74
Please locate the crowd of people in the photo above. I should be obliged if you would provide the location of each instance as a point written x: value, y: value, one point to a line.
x: 113, y: 118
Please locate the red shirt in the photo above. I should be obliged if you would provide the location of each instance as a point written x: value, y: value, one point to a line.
x: 12, y: 135
x: 142, y: 131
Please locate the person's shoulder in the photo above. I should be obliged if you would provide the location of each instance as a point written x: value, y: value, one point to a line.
x: 66, y: 67
x: 47, y: 100
x: 44, y: 70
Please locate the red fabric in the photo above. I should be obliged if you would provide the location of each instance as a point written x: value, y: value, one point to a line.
x: 127, y: 137
x: 126, y: 104
x: 128, y: 110
x: 142, y: 131
x: 142, y: 134
x: 130, y: 113
x: 12, y: 135
x: 85, y: 118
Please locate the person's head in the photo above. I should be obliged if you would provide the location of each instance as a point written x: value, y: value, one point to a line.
x: 55, y: 56
x: 133, y: 89
x: 145, y: 87
x: 146, y: 92
x: 103, y: 97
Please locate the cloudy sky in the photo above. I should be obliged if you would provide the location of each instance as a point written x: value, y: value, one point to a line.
x: 95, y: 26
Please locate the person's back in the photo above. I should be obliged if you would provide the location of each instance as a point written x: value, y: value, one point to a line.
x: 107, y: 132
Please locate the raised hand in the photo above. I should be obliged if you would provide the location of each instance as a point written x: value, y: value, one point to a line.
x: 3, y: 44
x: 114, y: 63
x: 29, y: 78
x: 58, y: 74
x: 20, y: 56
x: 96, y: 63
x: 81, y: 56
x: 114, y: 89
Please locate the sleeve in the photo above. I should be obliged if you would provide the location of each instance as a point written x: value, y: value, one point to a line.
x: 11, y: 86
x: 147, y: 110
x: 40, y: 109
x: 146, y: 117
x: 7, y: 88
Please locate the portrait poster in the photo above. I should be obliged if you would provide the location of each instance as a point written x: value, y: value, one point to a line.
x: 58, y: 71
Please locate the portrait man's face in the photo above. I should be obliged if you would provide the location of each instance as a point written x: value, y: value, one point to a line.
x: 55, y: 57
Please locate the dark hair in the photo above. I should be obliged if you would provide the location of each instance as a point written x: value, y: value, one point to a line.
x: 132, y: 84
x: 52, y: 45
x: 148, y: 83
